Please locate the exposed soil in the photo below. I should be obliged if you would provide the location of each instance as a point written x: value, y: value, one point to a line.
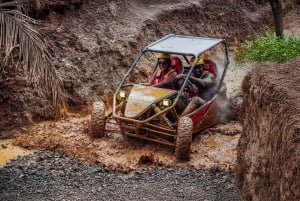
x: 269, y: 149
x: 93, y: 45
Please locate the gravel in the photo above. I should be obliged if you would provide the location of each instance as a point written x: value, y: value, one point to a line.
x: 54, y: 176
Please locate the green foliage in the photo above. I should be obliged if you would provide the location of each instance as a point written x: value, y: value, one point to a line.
x: 270, y: 48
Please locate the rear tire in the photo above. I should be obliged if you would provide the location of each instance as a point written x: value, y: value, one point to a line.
x: 184, y: 139
x: 98, y: 119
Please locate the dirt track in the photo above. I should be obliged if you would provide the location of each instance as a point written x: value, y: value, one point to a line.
x: 88, y: 49
x: 83, y: 55
x: 95, y: 43
x: 211, y: 149
x: 86, y: 42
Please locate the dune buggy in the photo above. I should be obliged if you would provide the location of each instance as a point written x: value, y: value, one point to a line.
x: 150, y: 113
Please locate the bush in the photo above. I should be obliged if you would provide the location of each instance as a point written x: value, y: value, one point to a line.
x: 269, y: 48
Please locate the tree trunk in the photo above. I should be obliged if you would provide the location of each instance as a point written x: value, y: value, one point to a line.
x: 277, y: 13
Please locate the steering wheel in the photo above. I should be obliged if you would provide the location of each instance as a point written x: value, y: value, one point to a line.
x: 188, y: 90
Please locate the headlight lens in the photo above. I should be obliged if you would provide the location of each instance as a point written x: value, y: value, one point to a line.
x: 122, y: 94
x: 166, y: 102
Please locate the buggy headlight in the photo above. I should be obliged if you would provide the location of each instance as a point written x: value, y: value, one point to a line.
x: 122, y: 94
x: 166, y: 102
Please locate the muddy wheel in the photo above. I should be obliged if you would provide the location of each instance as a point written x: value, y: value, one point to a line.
x: 184, y: 139
x: 98, y: 119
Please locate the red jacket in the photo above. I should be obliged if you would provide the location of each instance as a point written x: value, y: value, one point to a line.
x: 160, y: 76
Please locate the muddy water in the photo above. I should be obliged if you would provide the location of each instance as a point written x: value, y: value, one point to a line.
x: 8, y: 151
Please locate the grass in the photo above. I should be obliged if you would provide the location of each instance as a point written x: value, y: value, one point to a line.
x: 269, y: 48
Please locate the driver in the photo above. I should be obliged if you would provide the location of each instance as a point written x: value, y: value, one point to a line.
x: 203, y: 81
x: 165, y: 74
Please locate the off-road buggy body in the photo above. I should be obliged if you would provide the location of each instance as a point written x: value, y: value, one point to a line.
x: 150, y: 113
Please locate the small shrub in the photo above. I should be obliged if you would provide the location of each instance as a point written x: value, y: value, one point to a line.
x: 269, y: 48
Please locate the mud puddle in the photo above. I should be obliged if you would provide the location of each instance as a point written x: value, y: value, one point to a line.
x: 8, y: 151
x: 213, y: 148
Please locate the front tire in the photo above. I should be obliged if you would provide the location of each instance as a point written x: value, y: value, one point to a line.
x: 184, y: 139
x: 98, y: 119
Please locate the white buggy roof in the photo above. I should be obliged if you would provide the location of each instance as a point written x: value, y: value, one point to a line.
x: 182, y: 44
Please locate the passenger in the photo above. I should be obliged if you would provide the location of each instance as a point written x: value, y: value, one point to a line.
x: 204, y: 81
x: 165, y: 74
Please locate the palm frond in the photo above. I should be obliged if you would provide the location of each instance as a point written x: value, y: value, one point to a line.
x: 16, y: 31
x: 37, y: 4
x: 12, y: 3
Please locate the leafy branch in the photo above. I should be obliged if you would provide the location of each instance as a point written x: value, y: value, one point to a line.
x: 17, y: 32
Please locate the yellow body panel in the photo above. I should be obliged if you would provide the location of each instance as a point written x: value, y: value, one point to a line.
x: 141, y: 97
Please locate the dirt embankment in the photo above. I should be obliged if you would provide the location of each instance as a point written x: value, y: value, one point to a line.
x: 94, y: 43
x: 269, y: 147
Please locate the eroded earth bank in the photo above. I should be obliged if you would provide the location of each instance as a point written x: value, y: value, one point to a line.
x: 269, y: 149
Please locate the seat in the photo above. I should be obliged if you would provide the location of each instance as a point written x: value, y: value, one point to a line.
x: 210, y: 66
x: 176, y: 64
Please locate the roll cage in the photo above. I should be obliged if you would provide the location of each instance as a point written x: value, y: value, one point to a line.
x: 180, y: 45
